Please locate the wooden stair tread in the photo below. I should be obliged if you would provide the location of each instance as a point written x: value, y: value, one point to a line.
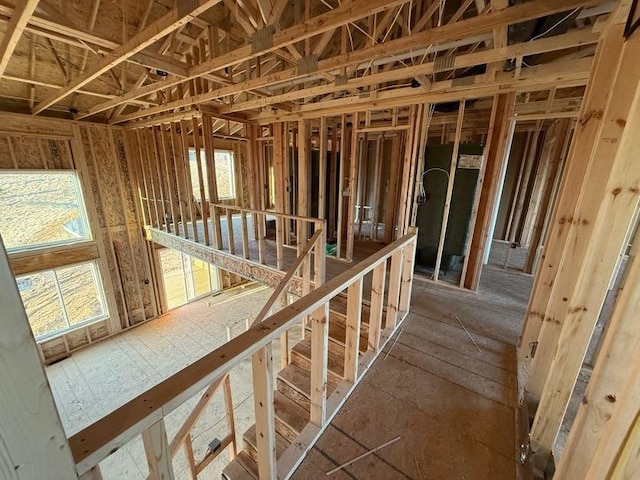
x: 241, y: 468
x: 338, y: 305
x: 338, y: 335
x: 291, y: 418
x: 300, y: 379
x: 250, y: 445
x: 301, y: 356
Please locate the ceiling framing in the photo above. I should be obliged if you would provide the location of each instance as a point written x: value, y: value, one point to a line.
x: 125, y: 62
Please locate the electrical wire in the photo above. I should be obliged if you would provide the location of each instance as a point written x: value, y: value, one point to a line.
x: 555, y: 24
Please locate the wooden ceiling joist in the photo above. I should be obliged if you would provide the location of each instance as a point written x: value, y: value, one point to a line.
x: 314, y: 26
x: 175, y: 18
x: 448, y: 32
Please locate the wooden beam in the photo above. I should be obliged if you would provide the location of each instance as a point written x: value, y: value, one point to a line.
x: 52, y: 257
x: 19, y: 18
x: 607, y: 414
x: 597, y: 98
x: 175, y: 18
x: 605, y: 211
x: 38, y: 446
x: 300, y: 31
x: 494, y: 157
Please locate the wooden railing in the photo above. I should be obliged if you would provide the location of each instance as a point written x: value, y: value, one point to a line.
x: 144, y: 415
x: 290, y: 231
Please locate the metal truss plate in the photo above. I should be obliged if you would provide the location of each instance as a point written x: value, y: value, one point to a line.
x: 262, y: 39
x: 308, y: 64
x: 442, y: 64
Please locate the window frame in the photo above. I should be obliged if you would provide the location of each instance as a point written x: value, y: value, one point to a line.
x: 232, y: 173
x: 102, y: 298
x: 188, y: 279
x: 82, y: 207
x: 193, y: 156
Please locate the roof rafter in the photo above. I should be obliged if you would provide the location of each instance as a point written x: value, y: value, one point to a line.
x: 21, y: 14
x: 173, y: 19
x: 450, y: 32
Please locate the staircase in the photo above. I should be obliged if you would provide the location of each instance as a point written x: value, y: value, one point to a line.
x: 292, y: 395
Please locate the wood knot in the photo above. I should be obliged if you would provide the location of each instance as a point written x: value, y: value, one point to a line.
x: 621, y: 122
x: 616, y: 191
x: 611, y: 398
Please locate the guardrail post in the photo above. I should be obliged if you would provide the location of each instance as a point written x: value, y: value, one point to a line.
x: 394, y: 290
x: 245, y: 236
x: 262, y: 367
x: 406, y: 285
x: 377, y: 302
x: 319, y: 359
x: 352, y: 341
x: 156, y: 448
x: 230, y: 240
x: 261, y: 239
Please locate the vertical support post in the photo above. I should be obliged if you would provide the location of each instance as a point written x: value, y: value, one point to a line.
x: 156, y: 449
x: 333, y: 191
x: 353, y: 187
x: 209, y: 152
x: 395, y: 275
x: 279, y: 169
x: 262, y: 369
x: 341, y: 173
x: 230, y: 239
x: 204, y: 205
x: 304, y: 161
x: 392, y: 188
x: 228, y: 402
x: 406, y: 285
x: 38, y: 446
x: 494, y: 159
x: 322, y: 165
x: 245, y: 236
x: 319, y: 364
x: 606, y: 209
x: 377, y: 303
x: 352, y: 340
x: 451, y: 180
x: 609, y: 410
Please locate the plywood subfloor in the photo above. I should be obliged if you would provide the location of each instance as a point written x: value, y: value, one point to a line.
x: 102, y: 377
x: 452, y: 405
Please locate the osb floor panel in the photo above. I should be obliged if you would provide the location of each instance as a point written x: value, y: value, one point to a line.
x: 452, y: 405
x: 100, y: 378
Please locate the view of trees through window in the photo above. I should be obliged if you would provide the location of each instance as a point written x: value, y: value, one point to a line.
x: 225, y: 176
x: 40, y: 210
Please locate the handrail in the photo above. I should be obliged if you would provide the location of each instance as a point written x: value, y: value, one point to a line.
x: 287, y: 277
x: 102, y: 438
x: 269, y: 212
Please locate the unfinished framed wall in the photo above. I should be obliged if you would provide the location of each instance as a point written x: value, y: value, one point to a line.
x: 97, y: 154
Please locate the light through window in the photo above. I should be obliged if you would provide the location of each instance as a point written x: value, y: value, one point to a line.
x: 63, y: 298
x: 225, y: 175
x: 41, y: 209
x: 186, y: 278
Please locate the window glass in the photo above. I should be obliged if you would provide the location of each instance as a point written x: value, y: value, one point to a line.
x: 56, y: 300
x: 185, y: 278
x: 41, y: 209
x: 225, y: 176
x: 173, y: 275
